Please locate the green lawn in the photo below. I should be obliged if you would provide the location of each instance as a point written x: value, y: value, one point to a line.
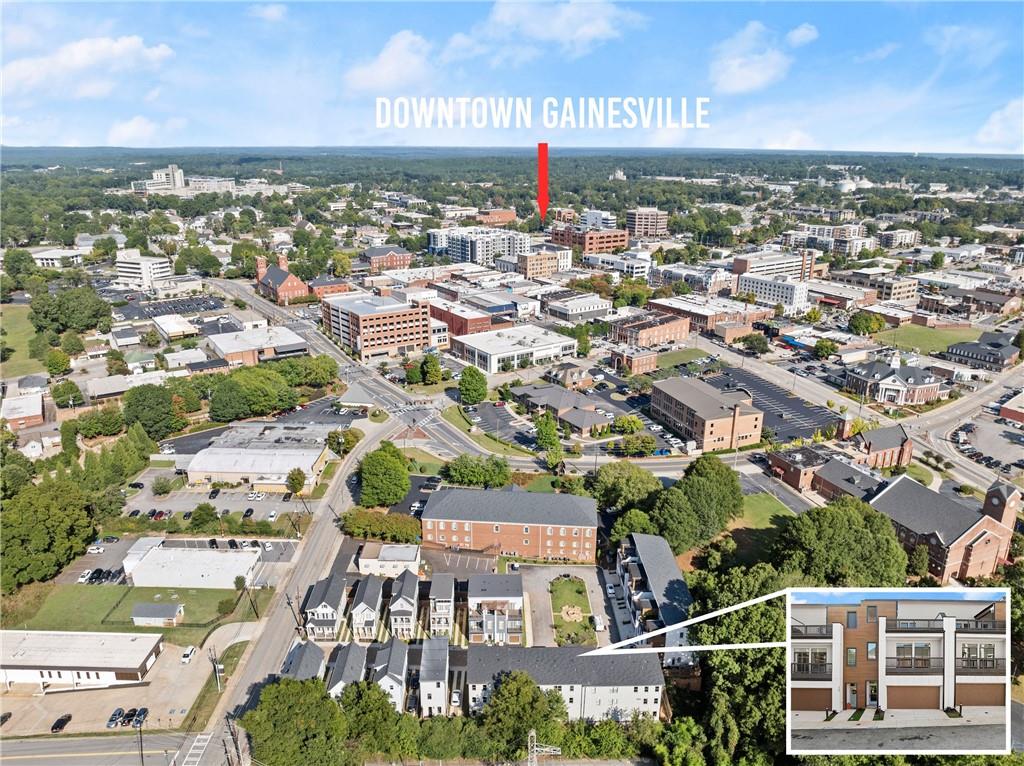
x: 756, y: 530
x: 919, y: 473
x: 545, y: 483
x: 14, y: 320
x: 571, y: 591
x: 208, y: 696
x: 926, y: 339
x: 378, y: 416
x: 433, y: 389
x: 426, y: 464
x: 681, y: 356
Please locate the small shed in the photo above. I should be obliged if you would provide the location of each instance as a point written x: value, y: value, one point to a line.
x: 158, y: 615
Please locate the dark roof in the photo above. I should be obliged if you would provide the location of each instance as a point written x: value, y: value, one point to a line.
x: 391, y: 659
x: 330, y: 591
x: 123, y: 333
x: 167, y: 611
x: 304, y: 661
x: 555, y: 665
x: 442, y: 586
x: 707, y: 401
x: 348, y: 665
x: 552, y: 396
x: 406, y: 588
x: 993, y: 343
x: 275, y: 276
x: 855, y: 480
x: 511, y: 507
x: 880, y: 439
x: 325, y: 279
x: 911, y: 376
x: 370, y: 252
x: 495, y: 586
x: 1003, y: 490
x: 369, y: 591
x: 209, y: 364
x: 917, y: 508
x: 665, y: 581
x: 582, y: 418
x: 434, y: 660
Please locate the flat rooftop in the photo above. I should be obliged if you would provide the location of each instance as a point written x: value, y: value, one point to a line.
x: 514, y: 339
x: 256, y: 338
x: 25, y: 406
x: 363, y: 304
x: 64, y: 649
x: 704, y: 306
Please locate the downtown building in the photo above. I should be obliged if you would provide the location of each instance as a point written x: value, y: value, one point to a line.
x: 647, y: 222
x: 477, y: 244
x: 376, y: 327
x: 589, y: 241
x: 788, y: 292
x: 774, y: 263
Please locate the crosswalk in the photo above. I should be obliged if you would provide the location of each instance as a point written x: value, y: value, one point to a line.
x: 195, y: 753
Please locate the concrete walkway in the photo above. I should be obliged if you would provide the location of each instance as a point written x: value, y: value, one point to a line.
x: 229, y: 634
x: 896, y: 719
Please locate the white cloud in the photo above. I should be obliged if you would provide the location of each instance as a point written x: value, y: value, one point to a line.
x: 76, y: 59
x: 801, y: 35
x: 142, y: 131
x: 977, y: 46
x: 515, y: 32
x: 272, y: 12
x: 880, y: 53
x: 1004, y: 129
x: 152, y: 95
x: 791, y: 140
x: 403, y: 63
x: 747, y: 61
x: 94, y: 88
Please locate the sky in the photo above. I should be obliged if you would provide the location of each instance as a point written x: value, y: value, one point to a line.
x: 850, y: 596
x: 893, y: 76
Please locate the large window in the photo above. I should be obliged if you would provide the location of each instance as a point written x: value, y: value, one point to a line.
x: 851, y: 657
x: 851, y: 619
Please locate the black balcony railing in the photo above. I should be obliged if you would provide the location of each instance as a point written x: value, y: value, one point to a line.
x: 913, y: 665
x: 811, y: 631
x: 981, y: 666
x: 910, y: 626
x: 811, y: 671
x: 981, y: 626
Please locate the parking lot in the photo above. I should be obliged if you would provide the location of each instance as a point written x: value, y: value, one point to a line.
x: 992, y: 442
x: 459, y: 563
x: 415, y: 494
x: 148, y: 309
x: 500, y: 421
x: 322, y: 412
x: 279, y: 552
x: 535, y: 585
x: 789, y: 417
x: 181, y: 501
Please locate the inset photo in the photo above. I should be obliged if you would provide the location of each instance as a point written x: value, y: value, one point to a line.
x: 898, y: 670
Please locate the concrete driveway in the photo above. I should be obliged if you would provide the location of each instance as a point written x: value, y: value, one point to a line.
x: 961, y: 739
x: 1017, y: 726
x: 535, y: 584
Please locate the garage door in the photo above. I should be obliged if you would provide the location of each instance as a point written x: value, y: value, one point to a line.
x: 981, y: 694
x: 919, y: 697
x: 811, y: 699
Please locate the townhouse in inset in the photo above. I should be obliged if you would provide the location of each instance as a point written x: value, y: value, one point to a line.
x: 906, y: 653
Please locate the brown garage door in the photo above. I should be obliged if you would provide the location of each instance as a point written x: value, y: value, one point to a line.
x: 811, y: 699
x: 919, y: 697
x: 981, y: 694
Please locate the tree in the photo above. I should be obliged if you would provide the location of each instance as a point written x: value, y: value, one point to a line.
x: 162, y: 486
x: 675, y: 520
x: 369, y: 717
x: 866, y: 323
x: 779, y: 310
x: 393, y: 527
x: 681, y: 744
x: 473, y: 471
x: 627, y: 424
x: 1018, y: 339
x: 622, y: 484
x: 151, y: 338
x: 431, y: 368
x: 755, y: 343
x: 729, y: 493
x: 918, y: 563
x: 638, y: 445
x: 341, y: 442
x: 66, y: 394
x: 295, y: 481
x: 153, y: 407
x: 824, y: 348
x: 116, y: 365
x: 938, y: 260
x: 57, y: 362
x: 516, y: 706
x: 71, y: 343
x: 413, y: 374
x: 812, y: 315
x: 383, y: 477
x: 203, y: 516
x: 227, y: 402
x: 472, y: 386
x: 547, y: 431
x: 845, y: 543
x: 633, y: 520
x: 297, y: 722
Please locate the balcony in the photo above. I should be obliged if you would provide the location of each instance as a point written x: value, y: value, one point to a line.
x: 980, y: 666
x: 913, y: 665
x: 811, y: 631
x: 811, y: 671
x: 981, y: 626
x: 914, y: 626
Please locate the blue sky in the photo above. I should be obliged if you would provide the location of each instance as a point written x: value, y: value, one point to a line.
x: 850, y: 596
x: 891, y: 76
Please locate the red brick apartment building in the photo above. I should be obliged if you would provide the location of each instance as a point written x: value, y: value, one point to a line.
x: 555, y: 527
x: 649, y: 329
x: 386, y: 257
x: 496, y: 217
x: 276, y: 283
x: 461, y: 320
x: 590, y: 240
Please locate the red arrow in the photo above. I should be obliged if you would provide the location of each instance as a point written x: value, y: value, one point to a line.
x: 542, y: 180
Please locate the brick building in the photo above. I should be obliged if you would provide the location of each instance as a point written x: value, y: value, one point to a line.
x: 701, y: 413
x: 649, y: 329
x: 374, y: 327
x: 276, y: 283
x: 386, y: 257
x: 590, y: 240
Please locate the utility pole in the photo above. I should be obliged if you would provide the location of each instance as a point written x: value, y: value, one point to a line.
x: 533, y: 749
x: 212, y: 654
x: 252, y: 602
x: 142, y: 756
x: 295, y: 616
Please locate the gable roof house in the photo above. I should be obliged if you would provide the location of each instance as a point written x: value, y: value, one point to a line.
x: 347, y: 666
x: 366, y: 607
x: 884, y: 447
x: 442, y: 604
x: 278, y: 284
x: 404, y: 605
x: 305, y: 660
x: 963, y: 542
x: 388, y: 670
x: 892, y: 382
x: 434, y: 677
x: 325, y: 606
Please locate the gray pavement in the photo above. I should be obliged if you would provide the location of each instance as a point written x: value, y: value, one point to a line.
x: 123, y: 750
x: 1017, y: 726
x: 535, y: 585
x: 961, y: 739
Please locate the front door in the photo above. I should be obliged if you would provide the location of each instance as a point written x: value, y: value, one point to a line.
x: 851, y: 695
x: 872, y: 693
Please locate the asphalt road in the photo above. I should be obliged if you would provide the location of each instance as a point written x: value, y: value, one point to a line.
x: 158, y: 749
x: 918, y: 739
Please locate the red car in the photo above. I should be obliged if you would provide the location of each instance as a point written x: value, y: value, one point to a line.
x: 499, y: 404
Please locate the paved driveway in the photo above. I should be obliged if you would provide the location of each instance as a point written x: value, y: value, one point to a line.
x: 1017, y: 726
x: 909, y: 739
x: 535, y: 585
x: 462, y: 564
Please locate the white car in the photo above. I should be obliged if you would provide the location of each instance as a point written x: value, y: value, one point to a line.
x: 610, y: 590
x: 598, y: 623
x: 187, y: 655
x: 251, y: 496
x: 261, y: 495
x: 84, y: 577
x: 272, y: 516
x: 657, y: 428
x: 456, y: 698
x: 94, y: 549
x: 268, y: 546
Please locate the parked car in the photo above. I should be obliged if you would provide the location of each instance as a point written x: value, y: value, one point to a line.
x: 110, y: 539
x: 254, y: 543
x: 188, y: 654
x: 212, y: 543
x: 599, y: 625
x: 129, y: 716
x: 84, y: 577
x: 251, y: 496
x: 248, y: 513
x: 286, y: 497
x: 268, y: 546
x: 5, y: 717
x: 115, y: 718
x: 456, y: 698
x: 95, y: 549
x: 610, y: 590
x: 233, y: 544
x: 134, y: 513
x: 136, y: 485
x: 272, y: 516
x: 187, y: 515
x: 213, y: 494
x: 140, y: 718
x: 60, y: 724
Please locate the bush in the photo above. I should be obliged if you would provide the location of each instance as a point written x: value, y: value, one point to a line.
x: 162, y: 486
x: 225, y: 606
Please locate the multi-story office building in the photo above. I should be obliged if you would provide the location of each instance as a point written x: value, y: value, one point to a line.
x: 897, y: 654
x: 478, y: 244
x: 835, y: 295
x: 851, y: 247
x: 886, y: 285
x: 632, y: 264
x: 495, y: 607
x: 655, y: 592
x: 892, y: 382
x: 590, y: 240
x: 385, y: 257
x: 163, y: 180
x: 707, y: 280
x: 574, y: 307
x: 701, y: 413
x: 543, y: 260
x: 615, y: 687
x: 647, y: 222
x: 512, y: 348
x: 598, y: 219
x: 773, y: 291
x: 461, y: 320
x: 648, y: 329
x: 893, y: 238
x: 140, y: 272
x: 772, y: 263
x: 557, y: 527
x: 374, y: 326
x: 705, y: 312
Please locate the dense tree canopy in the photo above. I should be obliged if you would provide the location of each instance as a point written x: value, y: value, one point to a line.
x: 297, y: 722
x: 152, y: 406
x: 383, y: 477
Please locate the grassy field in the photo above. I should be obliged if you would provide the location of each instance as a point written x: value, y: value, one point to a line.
x: 926, y: 339
x: 682, y: 356
x: 14, y: 319
x: 208, y: 696
x: 457, y: 418
x: 426, y: 464
x: 571, y: 591
x: 378, y: 416
x: 919, y: 473
x: 433, y: 389
x: 544, y: 483
x: 755, y: 531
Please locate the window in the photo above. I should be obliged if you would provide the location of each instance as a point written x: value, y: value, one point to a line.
x: 497, y: 528
x: 526, y: 542
x: 440, y: 525
x: 872, y: 614
x: 851, y: 657
x: 872, y: 650
x: 526, y: 530
x: 851, y: 619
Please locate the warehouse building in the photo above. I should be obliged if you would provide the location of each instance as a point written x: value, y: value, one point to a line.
x: 195, y: 568
x: 509, y: 349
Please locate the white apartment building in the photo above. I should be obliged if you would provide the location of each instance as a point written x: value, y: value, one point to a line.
x: 635, y: 264
x: 210, y: 184
x: 893, y: 238
x: 525, y: 345
x: 852, y: 246
x: 579, y: 308
x: 163, y: 180
x: 771, y: 291
x: 141, y: 272
x: 477, y: 244
x: 598, y: 219
x: 59, y: 257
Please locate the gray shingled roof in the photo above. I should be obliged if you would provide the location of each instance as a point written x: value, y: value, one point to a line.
x: 304, y: 661
x: 166, y: 611
x: 442, y: 586
x: 275, y: 276
x: 370, y: 252
x: 330, y: 591
x: 663, y: 577
x: 434, y: 660
x: 880, y: 439
x: 392, y: 659
x: 368, y: 591
x: 495, y: 586
x: 706, y: 400
x: 348, y: 666
x: 856, y: 481
x: 513, y: 507
x: 917, y: 508
x: 406, y: 590
x: 554, y: 665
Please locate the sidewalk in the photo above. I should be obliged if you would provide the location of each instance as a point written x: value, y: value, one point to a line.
x: 896, y: 719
